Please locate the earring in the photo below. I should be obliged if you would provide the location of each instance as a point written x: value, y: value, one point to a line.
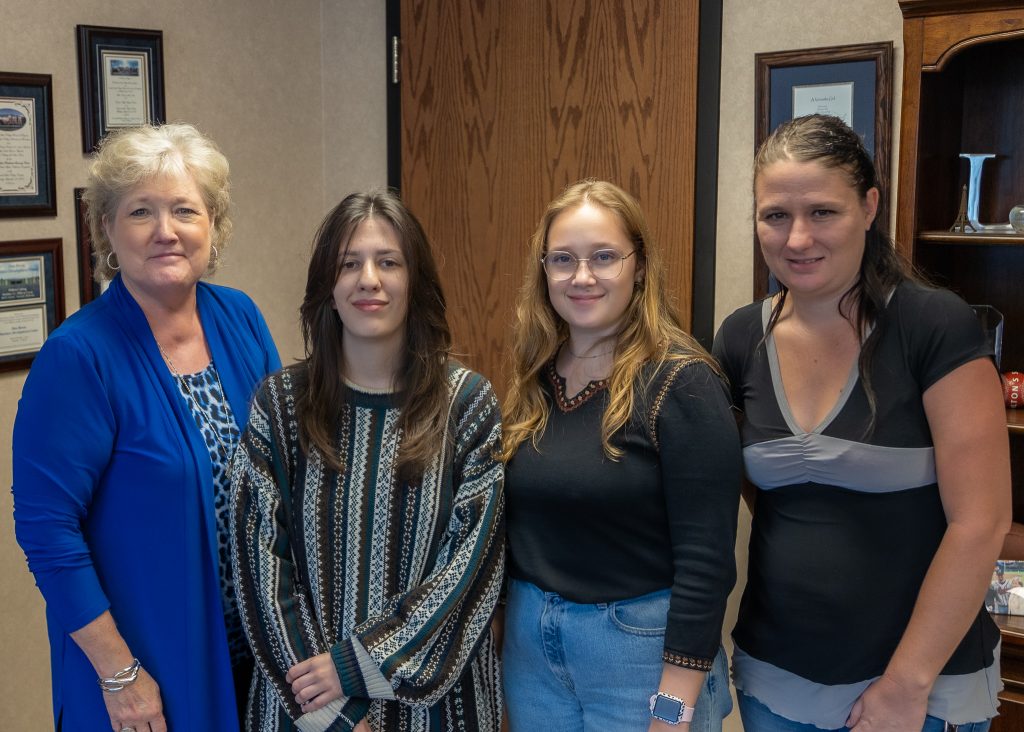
x: 214, y: 257
x: 109, y: 265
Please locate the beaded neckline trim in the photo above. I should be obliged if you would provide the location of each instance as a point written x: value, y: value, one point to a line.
x: 565, y: 404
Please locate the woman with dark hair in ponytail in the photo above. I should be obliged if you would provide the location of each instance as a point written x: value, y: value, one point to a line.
x: 875, y: 445
x: 367, y: 507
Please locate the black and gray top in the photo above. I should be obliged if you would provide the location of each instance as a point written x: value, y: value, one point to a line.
x: 664, y: 515
x: 848, y: 519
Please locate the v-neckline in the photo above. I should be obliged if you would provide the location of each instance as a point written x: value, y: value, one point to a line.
x: 778, y: 386
x: 585, y: 394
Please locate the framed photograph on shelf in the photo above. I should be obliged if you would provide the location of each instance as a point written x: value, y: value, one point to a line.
x: 1005, y: 594
x: 851, y: 82
x: 27, y: 175
x: 88, y: 288
x: 120, y: 79
x: 31, y: 298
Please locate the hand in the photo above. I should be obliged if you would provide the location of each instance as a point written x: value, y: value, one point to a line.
x: 362, y: 727
x: 315, y: 682
x: 137, y: 705
x: 889, y: 705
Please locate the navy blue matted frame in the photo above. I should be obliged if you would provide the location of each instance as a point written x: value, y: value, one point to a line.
x: 39, y: 89
x: 92, y: 41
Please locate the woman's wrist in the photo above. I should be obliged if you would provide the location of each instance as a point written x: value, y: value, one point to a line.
x: 913, y: 682
x: 121, y: 679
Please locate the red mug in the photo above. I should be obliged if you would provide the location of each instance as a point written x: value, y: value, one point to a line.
x: 1013, y: 389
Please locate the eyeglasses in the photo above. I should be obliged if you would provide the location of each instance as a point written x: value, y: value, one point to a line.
x: 604, y: 264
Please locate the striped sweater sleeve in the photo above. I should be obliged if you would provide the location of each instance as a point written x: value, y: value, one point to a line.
x: 275, y: 607
x: 425, y: 641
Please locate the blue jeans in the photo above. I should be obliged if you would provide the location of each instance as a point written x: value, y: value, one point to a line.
x: 759, y: 718
x: 593, y: 668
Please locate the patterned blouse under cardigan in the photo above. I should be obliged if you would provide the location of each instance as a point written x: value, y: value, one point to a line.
x: 398, y: 582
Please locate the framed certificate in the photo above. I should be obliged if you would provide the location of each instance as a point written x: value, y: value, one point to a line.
x: 27, y: 175
x: 853, y: 83
x: 120, y: 80
x: 31, y: 298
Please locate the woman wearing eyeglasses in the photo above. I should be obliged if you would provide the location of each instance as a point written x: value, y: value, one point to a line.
x: 622, y: 479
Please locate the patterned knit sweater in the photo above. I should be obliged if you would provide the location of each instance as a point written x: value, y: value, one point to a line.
x: 397, y: 581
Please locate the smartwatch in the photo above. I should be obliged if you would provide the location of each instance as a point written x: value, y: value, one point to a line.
x: 670, y: 709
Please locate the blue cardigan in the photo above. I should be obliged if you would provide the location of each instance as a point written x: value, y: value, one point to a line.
x: 113, y: 501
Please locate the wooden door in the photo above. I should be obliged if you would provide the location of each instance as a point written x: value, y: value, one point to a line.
x: 505, y: 103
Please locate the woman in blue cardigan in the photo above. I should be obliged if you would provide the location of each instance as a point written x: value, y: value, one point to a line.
x: 122, y: 443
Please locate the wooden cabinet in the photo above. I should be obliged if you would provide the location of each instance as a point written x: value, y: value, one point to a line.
x: 963, y: 92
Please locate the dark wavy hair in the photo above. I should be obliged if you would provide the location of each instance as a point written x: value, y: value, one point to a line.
x: 321, y: 391
x: 830, y: 142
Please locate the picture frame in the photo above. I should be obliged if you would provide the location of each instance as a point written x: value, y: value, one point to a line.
x: 31, y: 298
x: 1005, y: 594
x: 88, y: 288
x: 28, y: 184
x: 853, y: 82
x: 120, y: 79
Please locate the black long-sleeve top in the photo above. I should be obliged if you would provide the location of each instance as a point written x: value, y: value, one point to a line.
x: 663, y: 515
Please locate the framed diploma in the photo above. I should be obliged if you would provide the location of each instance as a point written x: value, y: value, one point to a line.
x: 27, y: 175
x: 853, y: 83
x: 31, y: 298
x: 88, y: 288
x: 120, y: 80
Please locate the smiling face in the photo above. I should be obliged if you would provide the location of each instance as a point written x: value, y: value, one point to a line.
x: 160, y: 232
x: 811, y: 223
x: 371, y: 294
x: 591, y: 307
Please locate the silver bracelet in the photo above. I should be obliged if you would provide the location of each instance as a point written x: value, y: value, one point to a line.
x: 124, y: 677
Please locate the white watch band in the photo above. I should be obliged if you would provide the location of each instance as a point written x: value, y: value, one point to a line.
x: 683, y: 712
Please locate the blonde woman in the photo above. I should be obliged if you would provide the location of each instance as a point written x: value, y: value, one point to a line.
x: 122, y: 445
x: 623, y: 479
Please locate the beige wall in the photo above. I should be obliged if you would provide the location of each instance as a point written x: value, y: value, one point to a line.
x: 274, y: 84
x: 321, y: 63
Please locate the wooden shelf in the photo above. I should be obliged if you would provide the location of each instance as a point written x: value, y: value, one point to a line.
x: 1011, y: 627
x: 982, y: 239
x: 963, y: 89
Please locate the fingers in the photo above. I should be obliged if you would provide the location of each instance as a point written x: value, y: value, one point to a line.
x: 299, y: 669
x: 314, y: 682
x: 155, y: 725
x: 140, y: 726
x: 321, y: 701
x: 312, y: 697
x: 858, y: 708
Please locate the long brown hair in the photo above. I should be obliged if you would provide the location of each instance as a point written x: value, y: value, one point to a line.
x: 830, y: 142
x: 322, y: 394
x: 651, y: 329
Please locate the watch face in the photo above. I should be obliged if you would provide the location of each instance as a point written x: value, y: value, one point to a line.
x: 666, y: 709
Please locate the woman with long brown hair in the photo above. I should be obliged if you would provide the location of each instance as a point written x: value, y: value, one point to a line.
x: 623, y: 479
x: 875, y: 441
x: 368, y: 509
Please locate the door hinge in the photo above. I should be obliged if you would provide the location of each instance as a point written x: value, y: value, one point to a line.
x: 394, y: 59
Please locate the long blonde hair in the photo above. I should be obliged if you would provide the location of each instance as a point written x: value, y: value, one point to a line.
x: 651, y: 330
